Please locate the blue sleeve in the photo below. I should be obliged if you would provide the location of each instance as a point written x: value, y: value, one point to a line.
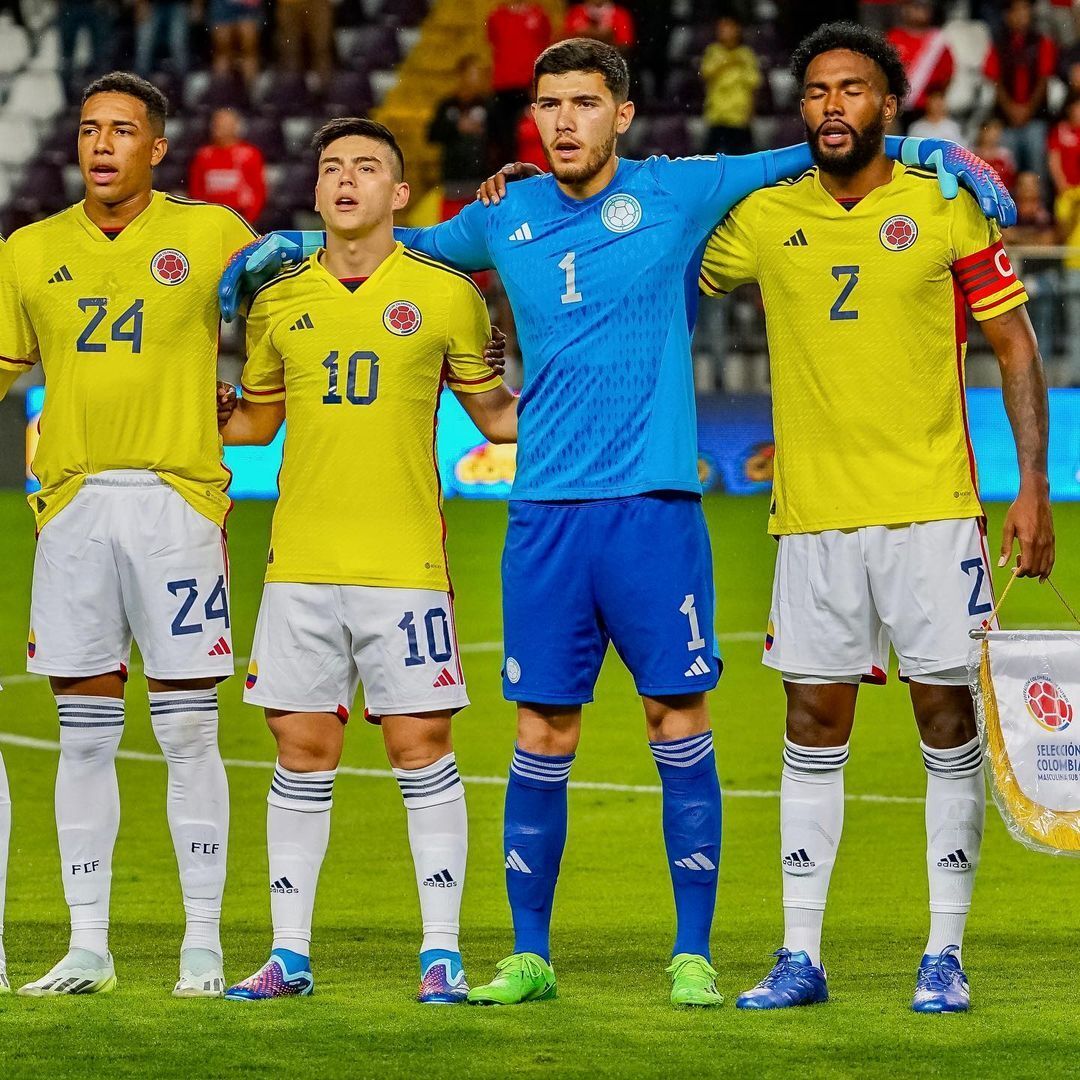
x: 460, y: 242
x: 711, y: 186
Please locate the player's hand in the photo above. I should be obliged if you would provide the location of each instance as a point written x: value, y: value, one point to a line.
x: 1031, y: 522
x: 226, y: 402
x: 956, y: 165
x: 254, y: 265
x: 492, y: 190
x: 495, y: 352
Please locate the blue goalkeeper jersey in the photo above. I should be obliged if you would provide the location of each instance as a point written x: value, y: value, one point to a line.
x: 604, y: 293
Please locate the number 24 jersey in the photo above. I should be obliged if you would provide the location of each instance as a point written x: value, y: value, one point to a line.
x: 127, y: 332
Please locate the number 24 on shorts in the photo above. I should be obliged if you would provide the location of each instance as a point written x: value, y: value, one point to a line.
x: 215, y: 606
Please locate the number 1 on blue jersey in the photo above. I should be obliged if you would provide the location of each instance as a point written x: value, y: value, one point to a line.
x: 571, y: 296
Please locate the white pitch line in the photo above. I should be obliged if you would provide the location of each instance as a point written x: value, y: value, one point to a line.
x: 26, y: 742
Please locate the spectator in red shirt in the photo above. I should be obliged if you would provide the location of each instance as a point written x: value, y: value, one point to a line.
x: 518, y: 32
x: 603, y: 20
x: 1063, y: 147
x: 1020, y: 61
x: 927, y: 59
x: 989, y: 147
x: 229, y: 171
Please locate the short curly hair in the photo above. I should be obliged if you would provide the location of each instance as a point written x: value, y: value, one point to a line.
x: 856, y: 39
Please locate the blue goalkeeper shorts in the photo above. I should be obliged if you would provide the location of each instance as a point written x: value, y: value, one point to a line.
x: 636, y: 572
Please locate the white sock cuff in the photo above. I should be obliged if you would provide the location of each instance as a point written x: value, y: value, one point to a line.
x: 77, y: 711
x: 167, y: 703
x: 432, y: 785
x: 800, y: 761
x: 954, y: 763
x: 307, y: 793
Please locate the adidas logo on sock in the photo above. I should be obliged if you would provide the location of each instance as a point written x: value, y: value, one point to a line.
x: 797, y: 240
x: 955, y: 860
x: 697, y: 861
x: 63, y: 274
x: 283, y: 885
x: 522, y: 232
x: 515, y: 862
x: 303, y: 323
x: 221, y: 648
x: 698, y: 667
x: 442, y: 880
x: 445, y: 679
x: 799, y: 860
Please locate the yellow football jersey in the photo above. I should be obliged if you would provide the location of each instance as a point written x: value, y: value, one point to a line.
x: 865, y: 311
x: 127, y: 332
x: 360, y: 373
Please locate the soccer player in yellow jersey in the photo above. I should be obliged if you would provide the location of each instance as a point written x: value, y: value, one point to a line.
x: 354, y: 345
x: 116, y: 297
x: 867, y: 275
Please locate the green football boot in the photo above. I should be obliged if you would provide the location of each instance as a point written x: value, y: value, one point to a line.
x: 693, y: 982
x: 519, y: 978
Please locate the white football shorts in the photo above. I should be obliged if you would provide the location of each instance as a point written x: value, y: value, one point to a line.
x: 841, y: 597
x: 129, y: 557
x: 315, y: 644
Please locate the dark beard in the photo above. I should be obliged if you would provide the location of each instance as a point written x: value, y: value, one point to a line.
x: 865, y: 146
x: 582, y: 174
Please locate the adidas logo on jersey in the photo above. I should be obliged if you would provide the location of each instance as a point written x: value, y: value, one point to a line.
x: 283, y: 885
x: 799, y: 860
x: 697, y: 861
x: 955, y: 860
x: 445, y: 679
x: 515, y: 862
x: 797, y: 240
x: 303, y: 323
x: 522, y: 232
x: 63, y: 274
x: 221, y: 648
x: 698, y: 667
x: 442, y: 880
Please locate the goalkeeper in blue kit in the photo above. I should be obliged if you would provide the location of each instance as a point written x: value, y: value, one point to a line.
x: 606, y: 541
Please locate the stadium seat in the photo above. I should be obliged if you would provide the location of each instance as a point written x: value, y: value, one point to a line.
x: 685, y: 90
x: 37, y: 94
x: 669, y: 135
x: 402, y: 12
x: 205, y: 92
x: 283, y: 93
x: 14, y: 47
x: 19, y: 138
x: 298, y: 131
x: 38, y: 192
x: 349, y: 94
x: 378, y: 45
x: 265, y: 133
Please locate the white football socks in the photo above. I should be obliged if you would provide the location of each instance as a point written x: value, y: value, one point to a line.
x: 185, y: 723
x: 88, y: 812
x: 5, y: 838
x: 297, y: 835
x: 811, y: 821
x: 439, y: 838
x: 955, y: 811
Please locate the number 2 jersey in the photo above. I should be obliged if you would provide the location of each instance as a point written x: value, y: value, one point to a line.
x: 360, y: 374
x: 127, y: 332
x: 866, y: 310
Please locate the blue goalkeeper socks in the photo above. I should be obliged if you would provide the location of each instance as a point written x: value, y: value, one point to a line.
x: 691, y: 814
x: 534, y: 835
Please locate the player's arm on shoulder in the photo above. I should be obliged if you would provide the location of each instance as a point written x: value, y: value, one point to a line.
x: 18, y: 341
x: 460, y: 242
x: 730, y: 257
x: 260, y: 413
x: 481, y: 391
x: 997, y: 297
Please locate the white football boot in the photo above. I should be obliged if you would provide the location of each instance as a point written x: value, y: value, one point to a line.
x: 80, y: 972
x: 201, y: 974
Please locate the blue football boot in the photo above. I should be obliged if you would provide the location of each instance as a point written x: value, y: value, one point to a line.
x: 285, y: 974
x: 941, y: 985
x: 442, y: 979
x: 792, y: 981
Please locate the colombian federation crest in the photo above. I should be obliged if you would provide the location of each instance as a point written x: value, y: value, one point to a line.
x: 620, y: 213
x: 402, y: 317
x: 170, y: 267
x: 898, y: 233
x: 1047, y: 704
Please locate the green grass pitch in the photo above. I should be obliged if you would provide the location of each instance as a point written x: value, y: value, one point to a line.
x: 614, y: 918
